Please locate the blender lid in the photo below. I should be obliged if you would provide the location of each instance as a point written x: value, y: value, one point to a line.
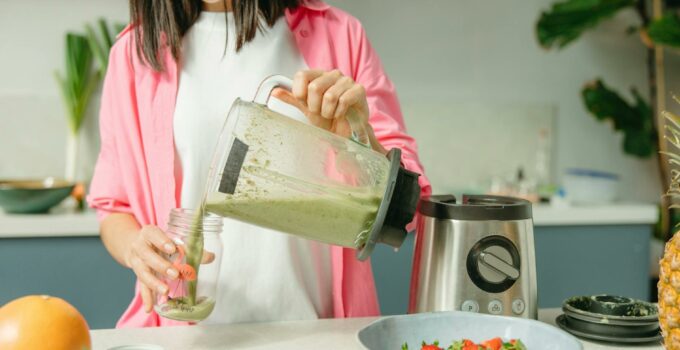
x: 475, y: 207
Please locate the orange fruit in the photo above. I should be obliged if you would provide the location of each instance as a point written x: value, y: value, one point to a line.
x: 78, y: 191
x: 42, y: 322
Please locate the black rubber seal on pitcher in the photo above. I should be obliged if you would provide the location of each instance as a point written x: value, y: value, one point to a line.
x: 232, y: 168
x: 363, y: 252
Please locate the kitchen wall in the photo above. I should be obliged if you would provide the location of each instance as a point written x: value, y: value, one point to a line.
x: 438, y: 52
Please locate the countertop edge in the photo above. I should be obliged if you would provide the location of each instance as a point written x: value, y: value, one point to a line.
x: 85, y: 224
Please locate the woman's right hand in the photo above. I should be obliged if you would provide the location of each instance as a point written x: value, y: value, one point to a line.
x: 145, y: 258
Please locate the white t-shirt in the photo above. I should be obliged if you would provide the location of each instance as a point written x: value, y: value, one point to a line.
x: 264, y: 275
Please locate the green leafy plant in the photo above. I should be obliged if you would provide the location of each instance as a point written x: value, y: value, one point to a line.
x: 566, y: 21
x: 101, y: 42
x: 666, y: 30
x: 633, y: 120
x: 80, y: 79
x: 78, y: 82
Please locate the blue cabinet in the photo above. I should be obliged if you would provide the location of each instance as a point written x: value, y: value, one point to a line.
x: 571, y: 260
x: 76, y: 269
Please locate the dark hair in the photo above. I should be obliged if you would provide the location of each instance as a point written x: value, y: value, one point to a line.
x: 173, y: 18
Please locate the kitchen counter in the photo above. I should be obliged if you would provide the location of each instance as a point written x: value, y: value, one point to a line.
x: 589, y: 215
x: 63, y: 224
x: 85, y: 223
x: 326, y: 334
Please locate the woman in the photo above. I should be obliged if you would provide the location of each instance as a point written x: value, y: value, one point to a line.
x: 172, y: 76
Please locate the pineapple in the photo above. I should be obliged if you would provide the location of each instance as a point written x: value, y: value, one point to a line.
x: 669, y: 269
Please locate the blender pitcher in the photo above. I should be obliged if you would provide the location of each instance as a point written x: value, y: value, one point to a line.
x: 284, y: 174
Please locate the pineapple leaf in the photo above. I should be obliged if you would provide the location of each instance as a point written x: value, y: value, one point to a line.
x: 672, y: 135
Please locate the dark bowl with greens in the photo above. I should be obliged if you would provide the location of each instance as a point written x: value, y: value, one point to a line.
x: 33, y: 196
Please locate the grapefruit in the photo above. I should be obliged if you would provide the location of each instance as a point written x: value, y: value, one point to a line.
x: 42, y: 322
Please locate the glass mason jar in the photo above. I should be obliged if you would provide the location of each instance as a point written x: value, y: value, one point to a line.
x: 197, y: 258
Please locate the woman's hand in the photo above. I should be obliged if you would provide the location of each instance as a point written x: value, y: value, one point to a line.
x: 145, y: 259
x: 326, y: 98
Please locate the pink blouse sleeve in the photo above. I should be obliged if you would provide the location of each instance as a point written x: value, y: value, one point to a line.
x: 385, y: 113
x: 107, y: 192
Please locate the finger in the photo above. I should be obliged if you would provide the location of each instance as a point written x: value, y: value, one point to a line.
x: 157, y: 262
x: 301, y: 80
x: 288, y: 97
x: 158, y: 239
x: 208, y: 257
x: 351, y: 97
x: 332, y: 96
x: 147, y: 277
x: 147, y: 298
x: 318, y: 87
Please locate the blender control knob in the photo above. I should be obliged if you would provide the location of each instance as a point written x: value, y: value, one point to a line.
x: 493, y: 264
x: 490, y: 260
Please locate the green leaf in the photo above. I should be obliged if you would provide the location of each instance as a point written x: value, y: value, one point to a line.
x: 76, y: 82
x: 101, y: 40
x: 119, y: 27
x: 105, y: 31
x: 633, y: 120
x: 567, y: 20
x: 665, y: 30
x: 97, y: 47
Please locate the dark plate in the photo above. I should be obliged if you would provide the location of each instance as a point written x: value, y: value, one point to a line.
x: 607, y: 320
x: 561, y: 322
x: 611, y: 329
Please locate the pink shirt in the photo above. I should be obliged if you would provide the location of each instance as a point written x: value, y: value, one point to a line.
x: 135, y: 170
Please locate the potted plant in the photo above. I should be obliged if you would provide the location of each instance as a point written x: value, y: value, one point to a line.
x: 86, y: 60
x: 566, y: 20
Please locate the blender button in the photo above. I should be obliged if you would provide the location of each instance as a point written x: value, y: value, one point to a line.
x: 495, y: 307
x: 470, y: 306
x: 518, y: 306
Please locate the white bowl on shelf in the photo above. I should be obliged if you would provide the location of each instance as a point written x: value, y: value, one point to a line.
x: 587, y: 186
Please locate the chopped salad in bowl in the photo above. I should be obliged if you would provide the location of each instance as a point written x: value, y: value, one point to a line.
x: 467, y: 344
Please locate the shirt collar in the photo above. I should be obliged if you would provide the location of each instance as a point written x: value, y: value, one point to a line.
x: 316, y: 5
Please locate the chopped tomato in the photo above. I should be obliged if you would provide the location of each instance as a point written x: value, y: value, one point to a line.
x: 493, y: 344
x: 467, y: 344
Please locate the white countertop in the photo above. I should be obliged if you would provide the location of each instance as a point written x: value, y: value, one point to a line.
x: 85, y: 224
x: 603, y: 214
x: 65, y: 224
x: 326, y: 334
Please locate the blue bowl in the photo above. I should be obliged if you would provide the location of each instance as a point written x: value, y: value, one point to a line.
x: 33, y: 196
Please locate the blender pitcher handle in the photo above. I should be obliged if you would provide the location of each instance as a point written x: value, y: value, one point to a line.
x: 264, y: 91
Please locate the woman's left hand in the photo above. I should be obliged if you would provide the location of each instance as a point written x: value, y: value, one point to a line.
x: 326, y: 98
